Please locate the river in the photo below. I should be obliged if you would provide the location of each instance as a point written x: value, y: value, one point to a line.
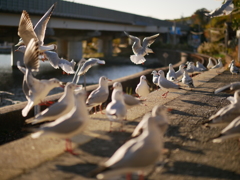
x: 11, y: 79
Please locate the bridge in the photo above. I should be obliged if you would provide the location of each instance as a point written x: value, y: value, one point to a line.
x: 72, y: 24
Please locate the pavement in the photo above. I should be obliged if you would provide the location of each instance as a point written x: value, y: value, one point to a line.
x: 190, y: 155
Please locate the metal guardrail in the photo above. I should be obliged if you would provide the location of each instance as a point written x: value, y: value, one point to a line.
x: 79, y: 11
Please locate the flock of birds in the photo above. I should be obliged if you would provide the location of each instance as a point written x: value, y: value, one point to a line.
x: 70, y: 114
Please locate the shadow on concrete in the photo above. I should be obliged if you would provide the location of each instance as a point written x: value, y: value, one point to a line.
x: 81, y: 169
x: 196, y: 103
x: 173, y: 131
x: 174, y: 111
x: 191, y: 149
x: 200, y: 170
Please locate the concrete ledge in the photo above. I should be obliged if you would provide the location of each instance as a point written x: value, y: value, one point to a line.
x: 21, y: 155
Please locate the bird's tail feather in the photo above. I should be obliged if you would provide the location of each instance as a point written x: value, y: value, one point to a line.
x: 137, y: 59
x: 27, y: 108
x: 36, y: 134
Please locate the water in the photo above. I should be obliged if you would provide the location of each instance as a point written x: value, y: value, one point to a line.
x: 11, y: 79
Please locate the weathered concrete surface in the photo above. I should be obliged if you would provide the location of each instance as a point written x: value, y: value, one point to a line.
x: 190, y: 155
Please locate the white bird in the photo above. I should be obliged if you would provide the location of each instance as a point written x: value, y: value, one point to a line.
x: 68, y: 125
x: 232, y: 87
x: 63, y: 106
x: 166, y: 84
x: 200, y: 66
x: 35, y: 90
x: 226, y: 114
x: 137, y: 154
x: 128, y: 99
x: 56, y: 62
x: 225, y: 9
x: 159, y: 113
x: 233, y: 69
x: 210, y: 63
x: 99, y: 95
x: 171, y: 75
x: 180, y: 71
x: 116, y: 109
x: 142, y: 88
x: 231, y: 131
x: 186, y: 79
x: 140, y: 51
x: 27, y: 32
x: 190, y: 67
x: 86, y: 66
x: 218, y: 66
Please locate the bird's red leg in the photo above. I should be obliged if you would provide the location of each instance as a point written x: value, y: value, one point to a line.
x: 128, y: 176
x: 69, y: 147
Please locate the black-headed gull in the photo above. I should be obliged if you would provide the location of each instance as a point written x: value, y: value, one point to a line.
x: 142, y: 88
x: 186, y: 79
x: 141, y: 50
x: 171, y: 75
x: 226, y: 114
x: 180, y: 71
x: 159, y: 113
x: 56, y: 62
x: 210, y: 63
x: 232, y: 130
x: 26, y: 30
x: 233, y: 69
x: 99, y: 95
x: 35, y: 90
x: 86, y: 66
x: 128, y: 99
x: 131, y: 156
x: 116, y: 109
x: 68, y: 125
x: 200, y: 66
x: 218, y: 66
x: 63, y: 106
x: 166, y: 84
x: 232, y: 87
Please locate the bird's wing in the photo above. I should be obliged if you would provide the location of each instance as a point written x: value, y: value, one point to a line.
x: 25, y: 28
x: 41, y: 25
x: 147, y: 41
x: 53, y: 58
x: 31, y: 55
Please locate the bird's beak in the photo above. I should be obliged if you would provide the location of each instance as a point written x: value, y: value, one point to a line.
x: 62, y: 84
x: 16, y: 50
x: 109, y: 79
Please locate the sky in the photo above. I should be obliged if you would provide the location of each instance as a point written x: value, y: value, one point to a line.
x: 160, y: 9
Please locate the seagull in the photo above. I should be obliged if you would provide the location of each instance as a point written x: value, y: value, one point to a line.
x: 142, y: 88
x: 155, y: 77
x: 232, y: 87
x: 159, y: 113
x: 171, y: 75
x: 226, y: 114
x: 116, y: 109
x: 35, y: 90
x: 86, y: 66
x: 27, y: 32
x: 166, y: 84
x: 231, y: 131
x: 56, y: 62
x: 128, y: 99
x: 210, y: 63
x: 63, y: 106
x: 180, y: 71
x: 225, y: 9
x: 99, y: 95
x: 219, y: 65
x: 233, y: 69
x: 68, y: 125
x: 137, y: 154
x: 190, y: 68
x: 186, y: 79
x: 140, y: 51
x: 200, y: 66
